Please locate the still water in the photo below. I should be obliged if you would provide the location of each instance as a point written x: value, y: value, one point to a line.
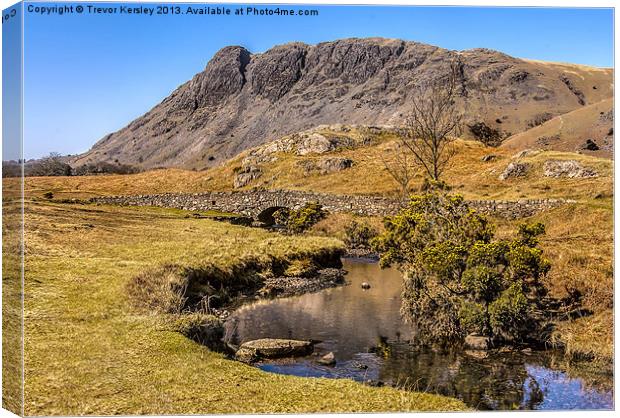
x: 364, y: 330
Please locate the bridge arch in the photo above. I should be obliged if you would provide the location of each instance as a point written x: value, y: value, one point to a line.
x: 266, y: 215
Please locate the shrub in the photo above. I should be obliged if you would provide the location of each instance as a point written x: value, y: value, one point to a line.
x: 302, y: 219
x: 51, y: 165
x: 104, y: 168
x: 458, y: 279
x: 48, y: 195
x: 359, y: 235
x: 281, y: 216
x: 485, y: 134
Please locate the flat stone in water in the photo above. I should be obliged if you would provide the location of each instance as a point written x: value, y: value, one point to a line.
x: 269, y: 348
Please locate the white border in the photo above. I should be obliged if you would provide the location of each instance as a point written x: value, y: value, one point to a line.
x: 496, y: 3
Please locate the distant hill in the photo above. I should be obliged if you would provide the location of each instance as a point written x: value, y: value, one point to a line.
x: 242, y: 100
x: 588, y: 129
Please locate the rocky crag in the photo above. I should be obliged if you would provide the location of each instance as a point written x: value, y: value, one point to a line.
x: 242, y: 100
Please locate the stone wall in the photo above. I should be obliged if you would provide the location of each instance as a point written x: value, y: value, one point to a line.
x: 252, y: 203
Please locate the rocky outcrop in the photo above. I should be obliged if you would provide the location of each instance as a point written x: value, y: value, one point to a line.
x: 247, y: 175
x: 242, y: 99
x: 326, y: 165
x: 567, y: 168
x: 271, y: 348
x: 514, y: 169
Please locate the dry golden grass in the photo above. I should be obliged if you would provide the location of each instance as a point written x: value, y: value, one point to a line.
x: 11, y: 308
x: 579, y: 239
x: 467, y: 174
x: 89, y: 351
x: 571, y: 128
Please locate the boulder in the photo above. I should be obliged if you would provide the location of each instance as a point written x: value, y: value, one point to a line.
x: 365, y: 285
x: 269, y: 348
x: 328, y: 359
x: 326, y: 165
x: 489, y: 157
x: 514, y: 170
x: 567, y: 168
x: 332, y: 165
x: 477, y: 342
x: 315, y: 143
x: 589, y: 145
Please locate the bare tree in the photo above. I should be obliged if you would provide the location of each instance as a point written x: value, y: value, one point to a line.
x: 434, y: 122
x: 52, y: 165
x: 401, y: 165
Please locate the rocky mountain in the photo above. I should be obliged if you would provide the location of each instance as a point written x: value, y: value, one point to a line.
x: 242, y: 99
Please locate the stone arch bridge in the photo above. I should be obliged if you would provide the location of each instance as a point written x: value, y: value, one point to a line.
x: 261, y: 204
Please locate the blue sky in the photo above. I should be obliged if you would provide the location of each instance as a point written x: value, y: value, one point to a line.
x: 88, y: 75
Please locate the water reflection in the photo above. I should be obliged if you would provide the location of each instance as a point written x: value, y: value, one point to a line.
x: 364, y: 330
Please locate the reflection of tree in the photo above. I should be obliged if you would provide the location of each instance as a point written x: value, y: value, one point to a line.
x: 496, y: 382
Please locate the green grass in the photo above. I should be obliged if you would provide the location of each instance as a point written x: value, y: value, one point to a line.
x: 88, y: 350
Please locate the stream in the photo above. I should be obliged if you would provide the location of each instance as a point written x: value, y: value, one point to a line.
x: 364, y: 330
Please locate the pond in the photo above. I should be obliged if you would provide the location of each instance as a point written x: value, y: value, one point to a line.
x: 364, y: 330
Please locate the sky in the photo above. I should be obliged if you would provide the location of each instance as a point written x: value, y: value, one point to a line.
x: 87, y: 75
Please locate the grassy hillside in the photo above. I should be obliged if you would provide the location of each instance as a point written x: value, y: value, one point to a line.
x: 468, y: 174
x: 88, y: 350
x: 569, y: 131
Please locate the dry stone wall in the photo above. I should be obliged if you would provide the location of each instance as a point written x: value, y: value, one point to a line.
x: 253, y: 203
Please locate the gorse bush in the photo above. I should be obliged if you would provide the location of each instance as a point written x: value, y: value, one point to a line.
x: 458, y: 278
x: 300, y: 220
x: 359, y: 235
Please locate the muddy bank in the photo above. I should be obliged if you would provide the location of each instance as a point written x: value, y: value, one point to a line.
x: 293, y: 286
x: 362, y: 253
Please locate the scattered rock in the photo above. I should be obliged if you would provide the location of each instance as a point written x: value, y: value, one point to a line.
x: 514, y: 170
x: 589, y: 145
x: 246, y: 176
x: 525, y: 153
x: 548, y: 140
x: 567, y: 168
x: 269, y: 348
x: 477, y: 342
x: 328, y: 359
x: 489, y: 157
x: 365, y: 285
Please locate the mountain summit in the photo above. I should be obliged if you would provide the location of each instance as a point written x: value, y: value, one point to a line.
x: 242, y: 99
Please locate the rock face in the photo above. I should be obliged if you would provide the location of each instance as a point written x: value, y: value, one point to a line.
x: 567, y: 168
x: 514, y: 170
x: 242, y: 100
x: 270, y: 348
